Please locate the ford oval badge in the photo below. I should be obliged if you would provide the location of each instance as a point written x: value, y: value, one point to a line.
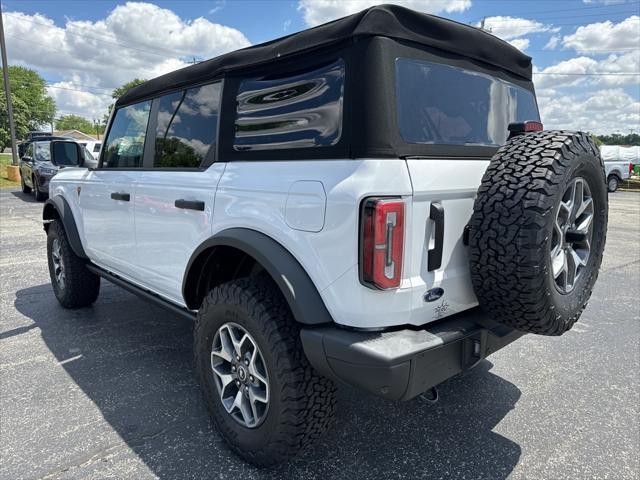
x: 433, y: 294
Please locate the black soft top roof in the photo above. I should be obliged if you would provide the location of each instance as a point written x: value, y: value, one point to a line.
x: 384, y: 20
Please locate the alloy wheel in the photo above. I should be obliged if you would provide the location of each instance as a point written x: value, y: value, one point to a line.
x: 571, y: 238
x: 58, y: 265
x: 240, y: 375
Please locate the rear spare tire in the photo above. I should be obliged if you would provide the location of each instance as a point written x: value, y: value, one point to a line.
x: 538, y: 231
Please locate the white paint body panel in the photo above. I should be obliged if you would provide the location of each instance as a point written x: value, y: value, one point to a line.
x: 311, y: 207
x: 166, y: 236
x: 107, y: 224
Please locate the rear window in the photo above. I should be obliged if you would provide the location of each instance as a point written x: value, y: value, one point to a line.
x: 187, y: 126
x: 441, y: 104
x: 297, y: 111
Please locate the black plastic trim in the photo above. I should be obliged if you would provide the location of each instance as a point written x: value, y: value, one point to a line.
x: 435, y: 254
x: 189, y: 204
x: 142, y: 293
x: 122, y: 197
x: 66, y: 216
x: 298, y: 289
x: 402, y: 364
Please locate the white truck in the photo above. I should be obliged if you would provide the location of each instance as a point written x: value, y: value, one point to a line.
x: 370, y: 201
x: 618, y: 163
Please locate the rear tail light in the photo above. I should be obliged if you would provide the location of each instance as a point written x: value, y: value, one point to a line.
x: 381, y: 242
x: 630, y: 168
x: 524, y: 127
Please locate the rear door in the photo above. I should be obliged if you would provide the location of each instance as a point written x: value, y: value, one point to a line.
x: 107, y: 194
x: 446, y: 106
x: 175, y: 195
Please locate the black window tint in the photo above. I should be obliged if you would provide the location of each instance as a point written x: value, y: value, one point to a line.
x: 441, y: 104
x: 96, y: 147
x: 187, y: 127
x: 28, y: 152
x: 124, y: 146
x: 299, y: 111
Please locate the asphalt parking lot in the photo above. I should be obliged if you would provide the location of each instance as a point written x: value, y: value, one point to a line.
x: 109, y: 391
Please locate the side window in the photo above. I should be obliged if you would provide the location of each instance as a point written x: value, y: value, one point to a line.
x: 41, y: 152
x: 28, y: 152
x: 96, y: 147
x: 187, y: 127
x: 298, y: 111
x: 124, y: 146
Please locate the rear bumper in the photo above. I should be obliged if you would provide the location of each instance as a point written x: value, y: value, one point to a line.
x: 402, y: 364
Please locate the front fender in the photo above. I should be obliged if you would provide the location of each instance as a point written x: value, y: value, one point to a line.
x: 295, y: 284
x: 57, y: 207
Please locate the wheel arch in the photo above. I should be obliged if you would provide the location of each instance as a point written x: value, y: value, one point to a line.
x: 57, y: 208
x: 296, y: 286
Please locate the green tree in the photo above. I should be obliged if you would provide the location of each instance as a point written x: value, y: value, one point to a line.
x: 32, y: 106
x: 121, y: 90
x: 75, y: 122
x: 619, y: 139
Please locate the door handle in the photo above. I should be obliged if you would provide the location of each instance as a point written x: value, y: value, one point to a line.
x: 435, y: 254
x: 125, y: 197
x: 190, y: 204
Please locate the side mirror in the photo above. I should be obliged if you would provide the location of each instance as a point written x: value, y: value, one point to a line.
x: 66, y: 154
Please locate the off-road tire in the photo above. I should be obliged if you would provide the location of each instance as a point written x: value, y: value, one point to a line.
x: 40, y: 197
x: 612, y: 183
x: 81, y: 287
x: 25, y: 188
x: 512, y: 225
x: 302, y: 403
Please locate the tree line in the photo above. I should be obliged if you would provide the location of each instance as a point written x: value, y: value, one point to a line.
x: 34, y: 108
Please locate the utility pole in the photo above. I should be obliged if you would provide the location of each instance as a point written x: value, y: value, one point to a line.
x: 7, y: 91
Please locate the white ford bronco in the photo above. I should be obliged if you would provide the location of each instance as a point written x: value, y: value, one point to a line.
x: 372, y: 201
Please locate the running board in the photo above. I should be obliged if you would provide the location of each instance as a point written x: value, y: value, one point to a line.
x: 141, y: 292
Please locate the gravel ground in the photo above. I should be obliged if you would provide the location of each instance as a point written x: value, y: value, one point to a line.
x: 109, y: 391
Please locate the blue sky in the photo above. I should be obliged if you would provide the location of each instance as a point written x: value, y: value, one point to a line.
x: 85, y: 48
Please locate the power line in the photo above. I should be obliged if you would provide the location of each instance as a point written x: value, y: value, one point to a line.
x: 620, y: 74
x: 504, y: 20
x: 595, y: 7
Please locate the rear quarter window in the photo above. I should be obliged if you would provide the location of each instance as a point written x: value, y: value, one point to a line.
x: 446, y: 105
x: 297, y: 111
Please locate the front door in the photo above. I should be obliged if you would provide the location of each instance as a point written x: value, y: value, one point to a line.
x: 107, y: 194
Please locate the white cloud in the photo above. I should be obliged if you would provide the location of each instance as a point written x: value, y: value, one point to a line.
x: 520, y: 43
x: 588, y: 71
x: 553, y: 42
x: 509, y: 28
x: 135, y: 40
x: 605, y: 35
x: 602, y: 112
x: 316, y: 12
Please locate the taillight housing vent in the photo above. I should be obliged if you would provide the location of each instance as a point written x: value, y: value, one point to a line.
x: 381, y: 242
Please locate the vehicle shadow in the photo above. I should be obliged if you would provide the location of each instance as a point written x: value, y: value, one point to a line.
x: 25, y: 197
x: 134, y: 361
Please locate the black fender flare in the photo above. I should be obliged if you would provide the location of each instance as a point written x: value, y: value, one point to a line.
x: 298, y: 289
x: 64, y: 213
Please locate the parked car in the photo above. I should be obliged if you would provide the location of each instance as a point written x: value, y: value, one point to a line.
x: 34, y: 136
x: 618, y: 163
x: 36, y: 169
x: 334, y: 206
x: 93, y: 147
